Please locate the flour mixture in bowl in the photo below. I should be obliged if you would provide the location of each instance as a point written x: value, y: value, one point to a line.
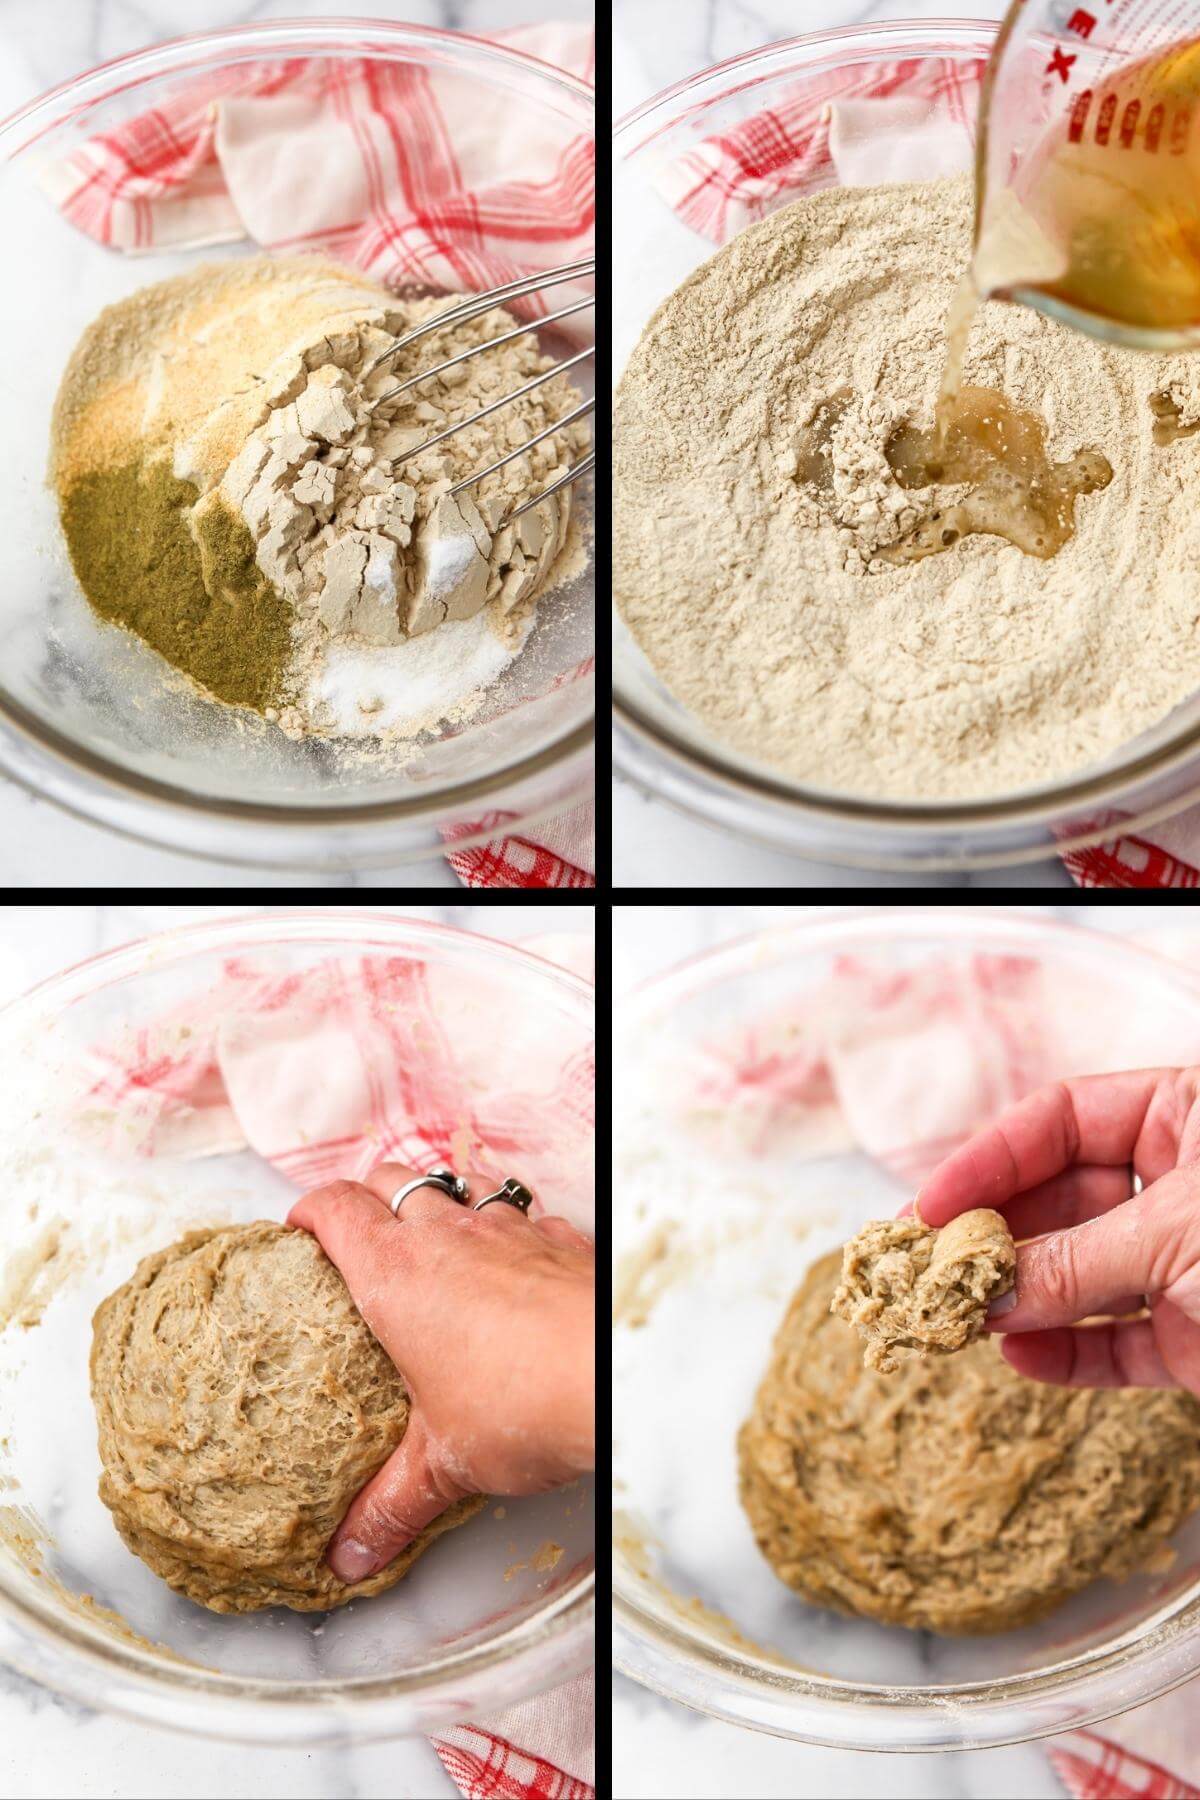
x: 806, y: 585
x: 241, y: 486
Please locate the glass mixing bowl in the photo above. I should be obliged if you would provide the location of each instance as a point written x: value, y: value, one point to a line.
x: 716, y: 1221
x: 85, y: 716
x: 661, y: 747
x: 475, y: 1626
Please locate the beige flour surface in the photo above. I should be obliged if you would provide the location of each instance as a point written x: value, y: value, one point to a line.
x: 758, y: 594
x: 954, y: 1495
x: 242, y: 1402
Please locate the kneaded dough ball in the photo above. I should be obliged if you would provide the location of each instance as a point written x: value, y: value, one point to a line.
x: 955, y: 1495
x: 242, y: 1402
x: 908, y: 1287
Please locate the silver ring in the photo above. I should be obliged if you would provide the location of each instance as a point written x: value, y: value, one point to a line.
x: 511, y: 1193
x: 443, y: 1179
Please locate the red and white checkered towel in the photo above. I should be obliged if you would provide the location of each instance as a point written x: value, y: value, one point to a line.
x: 810, y: 139
x: 561, y: 854
x: 329, y: 1072
x: 403, y: 174
x: 859, y: 127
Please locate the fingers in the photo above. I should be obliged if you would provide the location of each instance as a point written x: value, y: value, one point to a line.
x: 1160, y: 1351
x: 399, y: 1501
x: 1068, y: 1199
x: 357, y: 1233
x: 1127, y: 1303
x: 1091, y: 1356
x: 561, y: 1231
x: 386, y: 1180
x: 353, y: 1221
x: 1093, y: 1120
x: 1150, y: 1245
x: 354, y: 1224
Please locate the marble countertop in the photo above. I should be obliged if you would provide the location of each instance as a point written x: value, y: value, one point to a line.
x: 655, y: 43
x: 44, y: 42
x: 662, y: 1751
x: 50, y: 1747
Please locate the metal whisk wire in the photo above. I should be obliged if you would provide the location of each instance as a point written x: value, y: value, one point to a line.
x: 472, y: 308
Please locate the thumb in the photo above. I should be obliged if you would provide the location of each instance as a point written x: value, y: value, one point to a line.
x: 1150, y: 1245
x: 398, y: 1502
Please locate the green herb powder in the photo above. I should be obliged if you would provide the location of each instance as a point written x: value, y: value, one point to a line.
x: 202, y: 602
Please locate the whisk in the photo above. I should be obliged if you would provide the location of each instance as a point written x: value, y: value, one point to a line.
x: 471, y: 308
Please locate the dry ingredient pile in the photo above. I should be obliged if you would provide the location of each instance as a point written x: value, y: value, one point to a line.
x: 755, y: 507
x: 234, y: 490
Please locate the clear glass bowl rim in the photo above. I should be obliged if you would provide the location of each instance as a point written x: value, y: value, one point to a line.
x: 728, y: 790
x: 655, y: 1647
x: 568, y: 754
x: 93, y: 1668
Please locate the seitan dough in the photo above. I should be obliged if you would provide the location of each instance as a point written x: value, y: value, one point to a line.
x: 242, y: 1401
x: 908, y: 1287
x: 953, y: 1496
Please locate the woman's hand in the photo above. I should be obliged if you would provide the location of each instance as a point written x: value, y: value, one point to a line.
x: 489, y: 1316
x: 1062, y: 1163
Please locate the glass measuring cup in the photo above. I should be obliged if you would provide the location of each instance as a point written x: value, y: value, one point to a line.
x: 1088, y: 167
